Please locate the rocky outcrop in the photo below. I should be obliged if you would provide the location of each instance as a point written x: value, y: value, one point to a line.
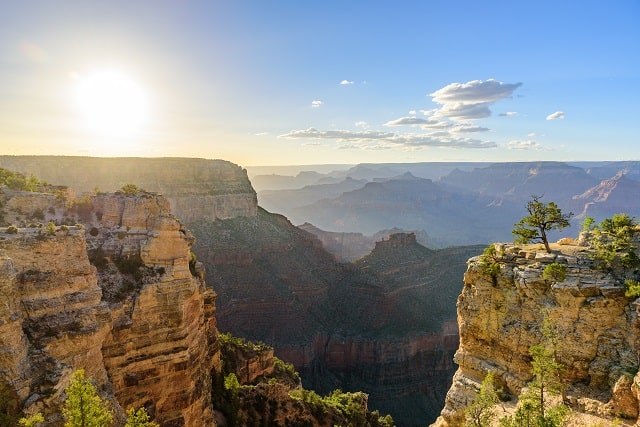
x: 596, y: 325
x: 142, y: 324
x: 196, y: 188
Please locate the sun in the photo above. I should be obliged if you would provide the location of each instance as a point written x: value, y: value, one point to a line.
x: 112, y: 104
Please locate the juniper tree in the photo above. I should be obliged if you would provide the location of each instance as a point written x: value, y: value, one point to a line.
x: 541, y: 219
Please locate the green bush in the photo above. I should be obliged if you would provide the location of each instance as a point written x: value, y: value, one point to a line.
x: 130, y: 189
x: 489, y: 262
x: 12, y: 229
x: 555, y: 272
x: 51, y: 228
x: 631, y: 288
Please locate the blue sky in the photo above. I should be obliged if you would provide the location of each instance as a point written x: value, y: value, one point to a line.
x: 301, y: 82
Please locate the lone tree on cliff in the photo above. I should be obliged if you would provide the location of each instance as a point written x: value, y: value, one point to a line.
x: 542, y: 218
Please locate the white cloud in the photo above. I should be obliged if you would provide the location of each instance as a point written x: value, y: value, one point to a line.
x: 316, y: 103
x: 429, y: 140
x: 372, y: 140
x: 474, y: 92
x: 471, y: 100
x: 416, y: 121
x: 469, y: 129
x: 558, y: 115
x: 339, y: 135
x: 346, y: 82
x: 524, y: 145
x: 508, y: 114
x: 362, y: 124
x: 464, y: 111
x: 532, y: 134
x: 261, y: 134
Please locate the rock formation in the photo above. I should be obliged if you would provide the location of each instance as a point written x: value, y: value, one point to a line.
x: 141, y: 325
x: 501, y: 318
x: 196, y: 188
x: 385, y: 325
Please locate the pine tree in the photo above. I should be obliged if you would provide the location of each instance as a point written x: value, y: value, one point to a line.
x: 83, y: 407
x: 480, y: 413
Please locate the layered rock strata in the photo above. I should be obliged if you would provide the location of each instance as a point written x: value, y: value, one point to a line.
x: 500, y: 319
x: 142, y: 325
x: 198, y: 189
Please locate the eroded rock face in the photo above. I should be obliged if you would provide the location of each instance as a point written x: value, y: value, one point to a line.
x: 142, y: 325
x: 197, y: 188
x: 596, y: 325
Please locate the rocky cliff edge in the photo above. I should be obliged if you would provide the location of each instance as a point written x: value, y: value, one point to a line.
x: 499, y: 320
x: 141, y: 324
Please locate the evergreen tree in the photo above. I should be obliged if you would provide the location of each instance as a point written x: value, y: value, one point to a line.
x: 480, y: 413
x: 83, y: 407
x: 542, y: 218
x: 535, y: 409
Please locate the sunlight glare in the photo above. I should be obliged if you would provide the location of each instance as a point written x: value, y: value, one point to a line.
x: 112, y: 104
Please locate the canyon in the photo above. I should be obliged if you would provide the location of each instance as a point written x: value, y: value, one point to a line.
x: 381, y: 319
x: 120, y: 296
x: 276, y: 283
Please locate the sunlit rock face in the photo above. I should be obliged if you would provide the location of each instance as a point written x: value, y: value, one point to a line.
x: 116, y: 297
x: 198, y: 189
x: 596, y: 327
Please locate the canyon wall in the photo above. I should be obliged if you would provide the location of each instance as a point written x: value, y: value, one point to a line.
x: 596, y: 326
x: 196, y: 188
x: 142, y: 324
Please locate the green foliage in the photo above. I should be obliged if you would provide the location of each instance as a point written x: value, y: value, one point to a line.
x: 353, y: 406
x: 611, y: 241
x: 631, y: 288
x: 139, y: 418
x: 285, y: 370
x: 231, y: 383
x: 534, y: 409
x: 480, y: 412
x: 50, y: 230
x: 489, y: 262
x: 83, y: 407
x: 12, y: 229
x: 555, y: 272
x: 588, y: 223
x: 31, y: 421
x: 542, y: 218
x: 18, y: 181
x: 130, y: 189
x: 246, y: 346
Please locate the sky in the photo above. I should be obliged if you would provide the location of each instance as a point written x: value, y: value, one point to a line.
x: 311, y: 82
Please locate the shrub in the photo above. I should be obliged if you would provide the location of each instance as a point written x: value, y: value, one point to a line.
x: 631, y: 288
x: 130, y: 189
x: 555, y: 272
x: 12, y: 229
x: 51, y: 228
x: 489, y: 262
